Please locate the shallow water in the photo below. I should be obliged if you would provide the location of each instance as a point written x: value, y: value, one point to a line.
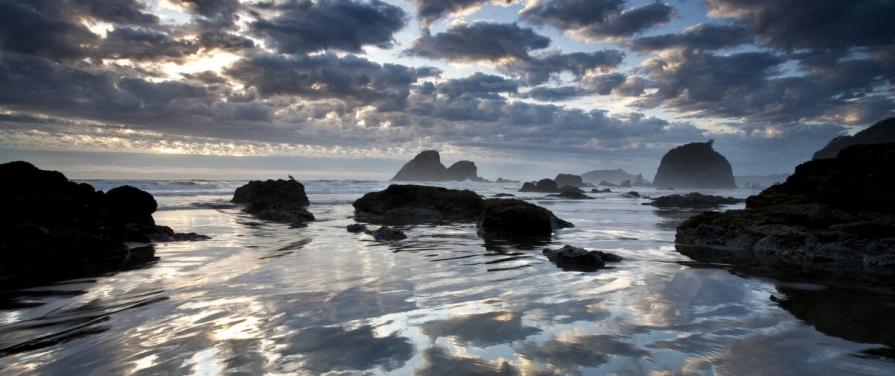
x: 266, y: 298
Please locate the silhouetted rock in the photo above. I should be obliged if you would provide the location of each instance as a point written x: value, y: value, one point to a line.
x: 572, y: 195
x: 517, y: 219
x: 694, y: 165
x: 426, y: 166
x: 879, y: 133
x: 543, y: 186
x: 693, y: 200
x: 502, y: 180
x: 504, y: 195
x: 52, y: 228
x: 386, y: 233
x: 356, y: 228
x: 607, y: 184
x: 597, y: 190
x: 631, y: 194
x: 834, y: 217
x: 569, y: 179
x: 579, y: 259
x: 418, y: 203
x: 275, y: 200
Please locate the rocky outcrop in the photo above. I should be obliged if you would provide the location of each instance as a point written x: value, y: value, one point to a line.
x: 614, y: 177
x: 570, y: 258
x: 387, y: 234
x: 355, y: 228
x: 832, y: 217
x: 631, y: 194
x: 693, y: 200
x: 52, y: 228
x: 569, y: 179
x: 571, y: 195
x: 548, y: 186
x: 275, y: 200
x: 426, y: 166
x: 598, y: 190
x: 879, y: 133
x: 511, y: 218
x: 418, y: 203
x: 694, y: 165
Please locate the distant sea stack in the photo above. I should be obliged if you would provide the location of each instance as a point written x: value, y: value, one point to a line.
x: 694, y: 165
x: 426, y: 166
x: 879, y: 133
x: 616, y: 177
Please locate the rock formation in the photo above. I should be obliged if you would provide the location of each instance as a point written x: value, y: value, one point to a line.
x: 548, y: 186
x: 693, y: 200
x: 834, y: 217
x: 570, y: 258
x: 572, y: 195
x: 694, y: 165
x: 275, y: 200
x: 879, y: 133
x: 52, y: 228
x: 569, y: 179
x: 426, y: 166
x: 614, y: 177
x: 517, y: 219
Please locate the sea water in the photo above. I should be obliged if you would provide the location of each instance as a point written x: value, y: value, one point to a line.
x: 268, y: 298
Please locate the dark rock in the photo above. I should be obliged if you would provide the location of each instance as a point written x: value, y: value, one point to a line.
x: 517, y: 219
x: 386, y: 233
x: 417, y: 203
x: 275, y: 200
x: 572, y: 195
x: 52, y: 228
x: 543, y: 186
x: 597, y: 190
x: 614, y: 177
x: 426, y: 166
x: 693, y: 200
x: 579, y: 259
x: 502, y: 180
x: 569, y: 189
x: 607, y: 184
x: 569, y: 179
x: 631, y: 194
x: 832, y: 217
x: 694, y: 165
x: 166, y: 234
x: 504, y: 195
x: 879, y: 133
x: 356, y: 228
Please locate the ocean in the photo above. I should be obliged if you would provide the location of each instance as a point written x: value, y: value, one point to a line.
x: 268, y: 298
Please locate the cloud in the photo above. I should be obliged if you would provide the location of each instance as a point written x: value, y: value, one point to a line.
x: 223, y: 10
x: 542, y: 67
x: 438, y: 361
x: 328, y: 76
x: 480, y: 41
x: 333, y: 348
x: 571, y: 352
x: 33, y: 29
x: 697, y: 37
x: 347, y: 25
x: 429, y: 11
x: 478, y: 85
x: 595, y: 20
x: 482, y: 330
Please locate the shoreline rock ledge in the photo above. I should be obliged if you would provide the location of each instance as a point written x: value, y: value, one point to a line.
x: 832, y: 217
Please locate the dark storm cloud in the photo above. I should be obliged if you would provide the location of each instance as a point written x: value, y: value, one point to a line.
x: 347, y: 25
x: 698, y: 37
x: 598, y: 19
x: 224, y: 10
x: 478, y: 85
x: 603, y: 84
x: 540, y: 68
x: 813, y: 24
x: 30, y: 28
x: 480, y: 41
x: 328, y: 76
x: 142, y: 44
x: 429, y: 11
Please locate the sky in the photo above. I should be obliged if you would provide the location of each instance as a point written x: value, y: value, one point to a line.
x: 204, y: 89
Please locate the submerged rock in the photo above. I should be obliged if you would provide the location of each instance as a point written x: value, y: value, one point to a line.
x: 693, y: 200
x: 572, y: 195
x: 879, y: 133
x: 631, y: 194
x: 579, y: 259
x: 275, y: 200
x: 694, y: 165
x: 569, y: 179
x: 356, y: 228
x: 543, y: 186
x: 597, y: 190
x: 504, y: 195
x: 418, y: 203
x: 516, y: 218
x: 833, y: 217
x: 386, y: 233
x: 52, y: 228
x: 426, y: 166
x: 613, y: 177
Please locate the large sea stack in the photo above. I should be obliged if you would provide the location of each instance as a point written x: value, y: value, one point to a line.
x: 52, y: 228
x: 426, y: 166
x: 832, y: 217
x: 879, y: 133
x: 694, y: 165
x: 275, y: 200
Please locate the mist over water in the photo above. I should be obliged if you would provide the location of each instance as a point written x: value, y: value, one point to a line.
x: 262, y: 297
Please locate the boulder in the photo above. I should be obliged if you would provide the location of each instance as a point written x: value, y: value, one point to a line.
x: 569, y: 189
x: 879, y: 133
x: 631, y: 194
x: 597, y: 190
x: 832, y: 217
x: 569, y: 179
x: 517, y: 219
x: 426, y: 166
x: 694, y: 165
x: 386, y: 233
x: 504, y: 181
x: 463, y: 170
x: 543, y: 186
x: 52, y: 228
x: 579, y: 259
x: 504, y: 195
x: 275, y: 200
x: 356, y: 228
x: 572, y: 195
x: 417, y: 203
x: 693, y: 200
